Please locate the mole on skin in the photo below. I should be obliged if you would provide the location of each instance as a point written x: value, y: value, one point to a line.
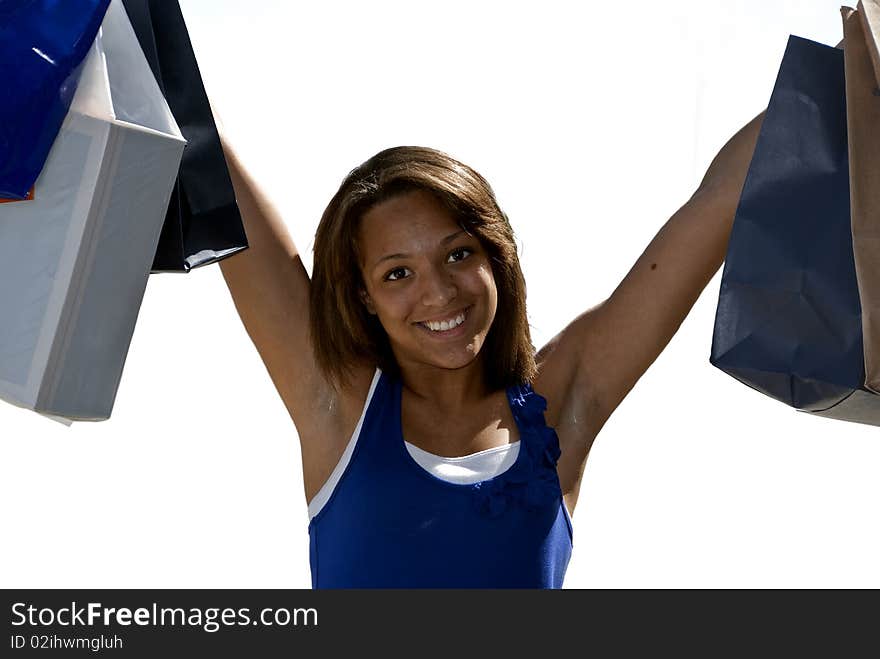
x: 653, y: 266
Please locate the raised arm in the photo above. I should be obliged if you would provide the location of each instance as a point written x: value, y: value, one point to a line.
x: 589, y: 367
x: 270, y: 289
x: 636, y: 323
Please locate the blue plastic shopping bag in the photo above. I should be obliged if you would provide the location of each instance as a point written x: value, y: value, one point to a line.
x: 42, y: 45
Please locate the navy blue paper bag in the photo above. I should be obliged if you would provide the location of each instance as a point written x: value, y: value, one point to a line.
x: 203, y: 224
x: 788, y: 321
x: 42, y: 46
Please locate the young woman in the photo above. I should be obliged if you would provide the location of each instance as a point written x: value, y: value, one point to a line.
x: 439, y: 449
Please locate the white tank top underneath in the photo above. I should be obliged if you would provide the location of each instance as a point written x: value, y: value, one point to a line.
x: 471, y: 468
x: 463, y: 470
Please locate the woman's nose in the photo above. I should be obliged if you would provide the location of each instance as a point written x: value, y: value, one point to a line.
x: 438, y: 288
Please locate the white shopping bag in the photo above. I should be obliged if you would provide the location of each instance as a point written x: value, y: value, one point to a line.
x: 74, y: 260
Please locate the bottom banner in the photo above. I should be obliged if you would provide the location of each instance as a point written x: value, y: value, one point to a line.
x: 169, y: 623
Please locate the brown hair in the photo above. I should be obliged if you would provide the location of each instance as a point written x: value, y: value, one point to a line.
x: 343, y: 331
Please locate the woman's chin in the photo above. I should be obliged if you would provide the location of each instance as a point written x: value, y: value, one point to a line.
x: 455, y: 361
x: 446, y: 360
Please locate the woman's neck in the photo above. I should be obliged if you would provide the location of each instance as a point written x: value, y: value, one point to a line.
x: 447, y: 390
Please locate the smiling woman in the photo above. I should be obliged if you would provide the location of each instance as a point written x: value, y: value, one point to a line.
x: 410, y: 349
x: 593, y: 123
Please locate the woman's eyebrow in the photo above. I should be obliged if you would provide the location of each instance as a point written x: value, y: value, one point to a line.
x: 448, y: 239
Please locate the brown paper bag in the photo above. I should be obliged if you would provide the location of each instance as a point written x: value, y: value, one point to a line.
x: 862, y: 57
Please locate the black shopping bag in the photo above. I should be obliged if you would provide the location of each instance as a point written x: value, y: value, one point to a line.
x: 203, y: 224
x: 788, y: 321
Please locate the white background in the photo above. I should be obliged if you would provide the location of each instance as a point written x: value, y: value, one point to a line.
x: 594, y: 122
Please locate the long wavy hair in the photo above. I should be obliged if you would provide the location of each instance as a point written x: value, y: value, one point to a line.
x: 344, y: 333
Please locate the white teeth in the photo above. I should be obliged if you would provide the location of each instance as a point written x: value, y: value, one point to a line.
x: 444, y: 325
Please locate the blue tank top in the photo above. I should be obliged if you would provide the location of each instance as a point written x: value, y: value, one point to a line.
x: 389, y: 523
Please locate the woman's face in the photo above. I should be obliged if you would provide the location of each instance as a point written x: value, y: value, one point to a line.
x: 430, y: 283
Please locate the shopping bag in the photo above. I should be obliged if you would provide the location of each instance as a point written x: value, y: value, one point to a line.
x: 862, y: 57
x: 789, y: 320
x: 74, y: 260
x: 203, y: 224
x: 42, y: 46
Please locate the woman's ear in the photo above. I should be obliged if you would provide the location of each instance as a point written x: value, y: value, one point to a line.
x: 368, y: 302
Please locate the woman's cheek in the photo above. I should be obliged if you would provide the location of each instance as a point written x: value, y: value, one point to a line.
x: 488, y: 278
x: 397, y: 306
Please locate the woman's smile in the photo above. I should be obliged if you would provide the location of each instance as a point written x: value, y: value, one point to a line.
x: 448, y: 326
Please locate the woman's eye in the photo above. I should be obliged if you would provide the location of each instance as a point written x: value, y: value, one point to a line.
x: 460, y: 254
x: 397, y: 273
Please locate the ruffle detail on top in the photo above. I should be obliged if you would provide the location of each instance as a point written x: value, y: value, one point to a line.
x: 532, y: 482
